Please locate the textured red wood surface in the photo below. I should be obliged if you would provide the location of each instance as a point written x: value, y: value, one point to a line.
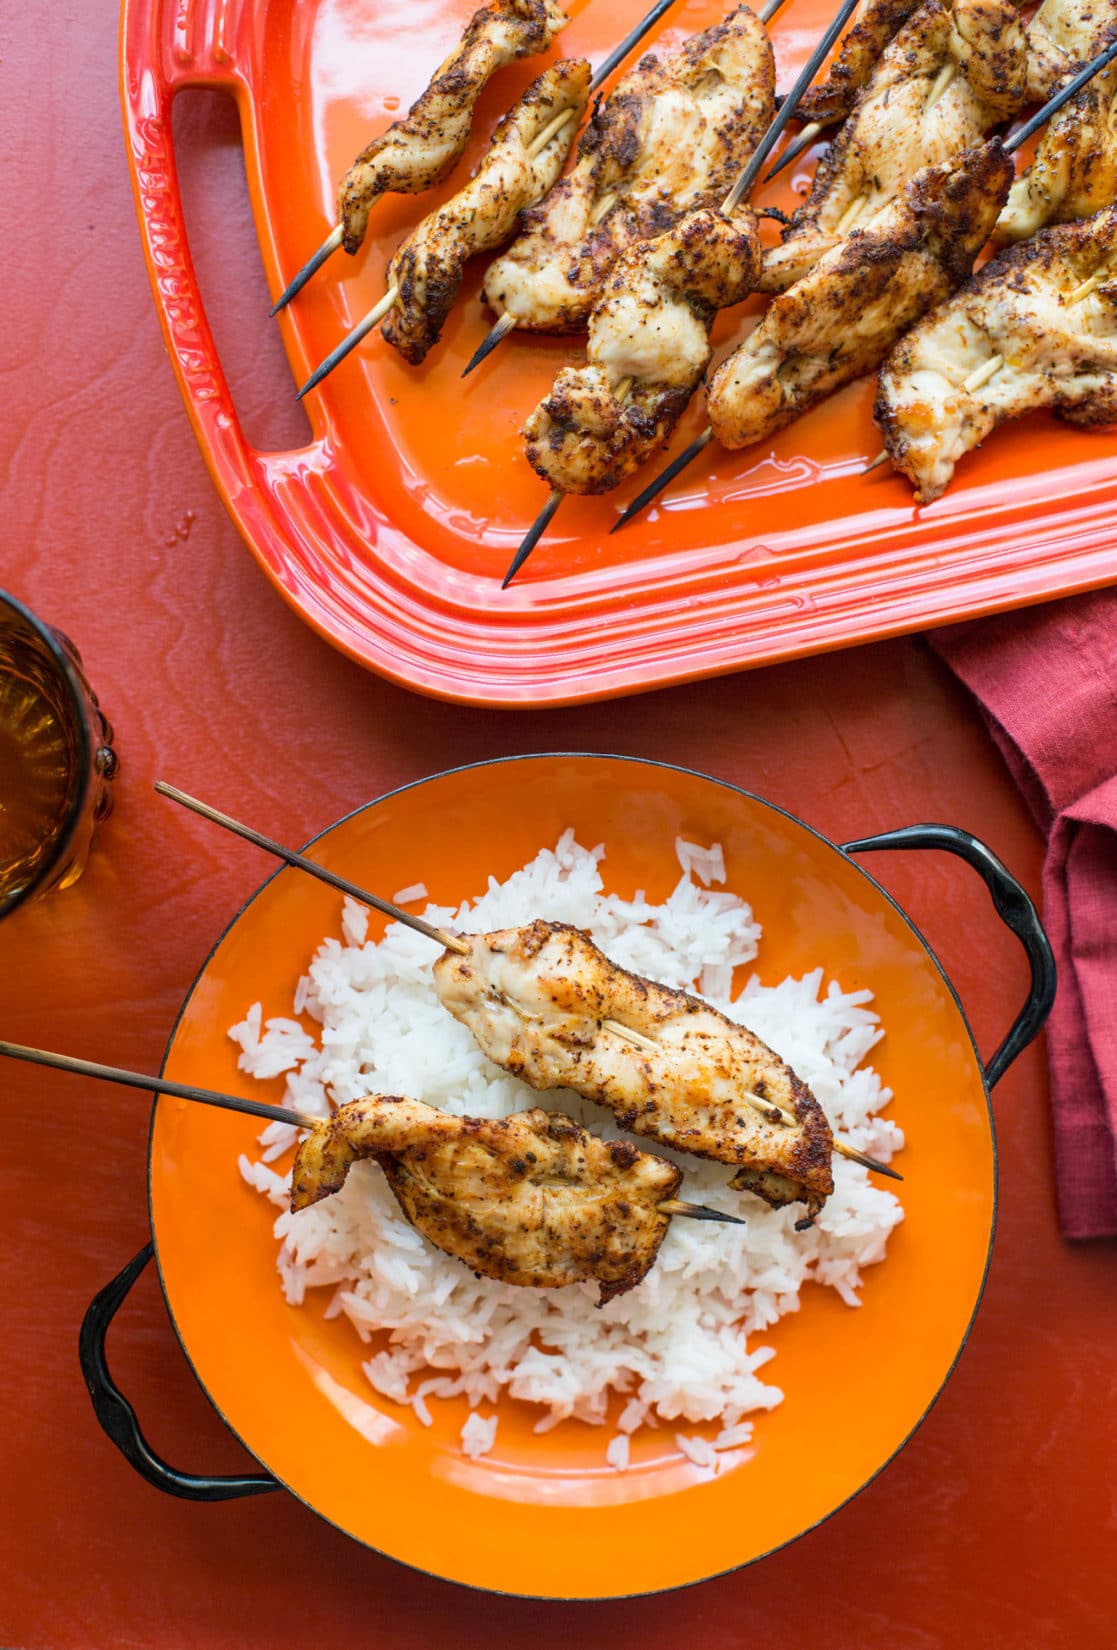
x: 995, y: 1527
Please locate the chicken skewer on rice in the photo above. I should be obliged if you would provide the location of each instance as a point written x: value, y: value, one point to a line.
x: 530, y: 1199
x: 422, y: 148
x: 952, y: 74
x: 546, y: 1004
x: 1035, y: 328
x: 670, y: 139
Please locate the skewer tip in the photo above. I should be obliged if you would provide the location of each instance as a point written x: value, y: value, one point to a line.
x: 865, y: 1160
x: 698, y: 1211
x: 314, y: 263
x: 497, y: 332
x: 531, y: 537
x: 662, y: 480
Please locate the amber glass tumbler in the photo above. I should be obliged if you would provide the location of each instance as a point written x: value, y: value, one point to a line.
x: 57, y: 762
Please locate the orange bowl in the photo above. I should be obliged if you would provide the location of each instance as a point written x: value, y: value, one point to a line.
x: 544, y: 1515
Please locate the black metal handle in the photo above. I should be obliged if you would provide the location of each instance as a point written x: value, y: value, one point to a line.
x: 118, y: 1418
x: 1013, y: 907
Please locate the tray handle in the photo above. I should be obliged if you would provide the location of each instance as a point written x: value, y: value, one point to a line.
x: 1014, y: 908
x: 167, y: 45
x: 118, y: 1418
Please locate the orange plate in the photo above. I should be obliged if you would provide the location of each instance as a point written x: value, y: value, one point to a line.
x: 544, y: 1516
x: 391, y: 531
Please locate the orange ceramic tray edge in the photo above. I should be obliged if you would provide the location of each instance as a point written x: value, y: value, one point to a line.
x: 582, y: 634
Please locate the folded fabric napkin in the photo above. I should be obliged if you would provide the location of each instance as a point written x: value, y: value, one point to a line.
x: 1046, y: 680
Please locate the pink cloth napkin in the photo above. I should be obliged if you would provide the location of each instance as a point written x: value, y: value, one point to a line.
x: 1046, y: 680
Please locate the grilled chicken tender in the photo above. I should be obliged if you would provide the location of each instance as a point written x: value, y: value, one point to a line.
x: 1062, y: 38
x: 649, y: 345
x: 529, y: 1199
x: 951, y: 75
x: 420, y: 150
x: 535, y: 999
x: 428, y: 267
x: 842, y: 318
x: 1054, y: 352
x: 1074, y: 173
x: 670, y: 139
x: 873, y: 25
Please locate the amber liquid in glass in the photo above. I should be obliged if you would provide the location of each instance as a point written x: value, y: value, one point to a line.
x: 38, y: 762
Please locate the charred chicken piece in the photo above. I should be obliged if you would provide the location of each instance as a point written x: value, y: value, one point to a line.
x: 1036, y: 327
x: 1074, y: 173
x: 951, y: 75
x: 420, y: 150
x: 649, y: 345
x: 842, y: 318
x: 874, y: 24
x: 530, y: 1199
x: 427, y: 268
x: 537, y: 1000
x: 1062, y: 38
x: 669, y: 140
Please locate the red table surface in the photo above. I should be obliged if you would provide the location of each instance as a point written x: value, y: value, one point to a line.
x: 993, y: 1528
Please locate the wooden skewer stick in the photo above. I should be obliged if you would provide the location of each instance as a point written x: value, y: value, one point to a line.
x: 697, y: 1211
x: 664, y: 479
x: 942, y: 81
x: 983, y: 374
x: 311, y: 267
x: 350, y: 341
x: 256, y: 1108
x: 450, y: 941
x: 159, y: 1085
x: 794, y: 149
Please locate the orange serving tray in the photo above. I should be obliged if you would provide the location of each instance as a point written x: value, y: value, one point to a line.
x: 391, y: 531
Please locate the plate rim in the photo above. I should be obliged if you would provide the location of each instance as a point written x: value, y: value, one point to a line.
x: 751, y: 796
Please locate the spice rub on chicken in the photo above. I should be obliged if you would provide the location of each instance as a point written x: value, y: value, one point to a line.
x: 1035, y: 328
x: 420, y: 150
x: 1062, y: 38
x: 527, y: 153
x: 871, y: 28
x: 671, y: 138
x: 1074, y: 172
x: 649, y: 345
x: 953, y: 73
x: 531, y: 1199
x: 840, y: 321
x: 543, y: 1001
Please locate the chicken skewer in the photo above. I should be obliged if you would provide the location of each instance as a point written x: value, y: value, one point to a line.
x: 842, y: 319
x: 956, y: 70
x: 1036, y: 327
x: 526, y: 154
x: 669, y: 139
x: 691, y: 1051
x: 421, y: 149
x: 531, y: 1199
x: 874, y: 24
x: 650, y: 332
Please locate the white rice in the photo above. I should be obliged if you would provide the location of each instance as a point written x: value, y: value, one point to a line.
x: 682, y: 1346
